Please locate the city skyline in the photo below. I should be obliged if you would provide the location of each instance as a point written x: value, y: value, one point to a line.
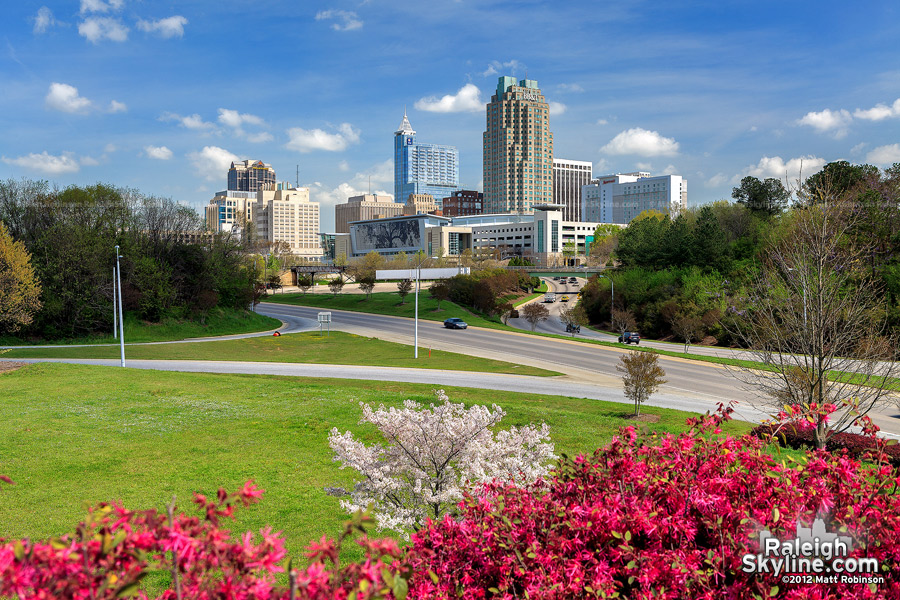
x: 163, y: 99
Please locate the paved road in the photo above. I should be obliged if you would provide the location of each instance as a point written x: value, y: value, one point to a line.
x: 582, y: 363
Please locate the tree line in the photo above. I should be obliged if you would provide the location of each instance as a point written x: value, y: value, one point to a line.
x: 684, y: 277
x: 169, y: 269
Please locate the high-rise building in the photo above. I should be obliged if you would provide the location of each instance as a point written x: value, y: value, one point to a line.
x: 286, y: 214
x: 280, y: 214
x: 518, y: 148
x: 569, y: 176
x: 621, y: 197
x: 420, y: 204
x: 251, y: 176
x: 463, y: 203
x: 422, y: 168
x: 362, y: 208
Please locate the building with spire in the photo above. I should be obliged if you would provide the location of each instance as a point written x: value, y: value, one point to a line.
x: 423, y: 168
x: 251, y: 176
x: 518, y: 148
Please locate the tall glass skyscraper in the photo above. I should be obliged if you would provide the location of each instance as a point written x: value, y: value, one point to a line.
x: 518, y: 148
x: 423, y: 168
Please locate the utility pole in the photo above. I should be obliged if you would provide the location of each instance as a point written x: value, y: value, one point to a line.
x: 115, y: 322
x: 121, y: 320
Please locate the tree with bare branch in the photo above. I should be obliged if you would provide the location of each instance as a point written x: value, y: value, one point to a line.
x: 814, y: 315
x: 688, y: 327
x: 534, y: 313
x: 623, y: 320
x: 641, y: 376
x: 573, y: 317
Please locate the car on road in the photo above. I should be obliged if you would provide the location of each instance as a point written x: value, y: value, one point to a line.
x: 550, y: 297
x: 630, y: 337
x: 564, y: 299
x: 573, y: 280
x: 570, y: 328
x: 455, y: 323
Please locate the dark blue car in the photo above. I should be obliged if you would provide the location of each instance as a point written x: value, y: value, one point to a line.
x: 455, y: 323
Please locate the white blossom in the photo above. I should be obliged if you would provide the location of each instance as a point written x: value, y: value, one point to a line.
x: 431, y: 456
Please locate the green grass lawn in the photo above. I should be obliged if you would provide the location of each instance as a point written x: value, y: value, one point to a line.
x: 73, y: 435
x: 387, y: 303
x: 335, y: 348
x: 219, y: 322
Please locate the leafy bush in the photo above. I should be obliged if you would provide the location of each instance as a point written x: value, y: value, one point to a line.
x: 666, y: 517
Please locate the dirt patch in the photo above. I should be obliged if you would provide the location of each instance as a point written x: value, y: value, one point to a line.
x: 6, y: 366
x: 708, y: 341
x: 643, y: 418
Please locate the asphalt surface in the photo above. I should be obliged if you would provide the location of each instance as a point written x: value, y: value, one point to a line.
x: 705, y: 384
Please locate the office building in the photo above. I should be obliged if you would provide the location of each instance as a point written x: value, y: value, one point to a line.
x: 518, y: 148
x: 621, y: 197
x: 229, y: 211
x: 423, y: 168
x: 569, y: 176
x: 282, y: 214
x: 250, y: 176
x: 462, y: 203
x: 420, y: 204
x: 285, y: 214
x: 361, y: 208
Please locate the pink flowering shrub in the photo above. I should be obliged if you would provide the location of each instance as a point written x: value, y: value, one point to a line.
x: 659, y: 517
x: 115, y: 548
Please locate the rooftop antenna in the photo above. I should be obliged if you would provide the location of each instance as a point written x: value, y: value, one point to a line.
x: 298, y: 177
x: 370, y: 185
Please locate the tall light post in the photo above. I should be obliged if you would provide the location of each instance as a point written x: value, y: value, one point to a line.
x: 115, y: 312
x: 612, y: 297
x: 419, y: 261
x: 121, y: 320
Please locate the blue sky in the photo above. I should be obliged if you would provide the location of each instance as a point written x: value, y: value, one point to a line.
x: 160, y: 96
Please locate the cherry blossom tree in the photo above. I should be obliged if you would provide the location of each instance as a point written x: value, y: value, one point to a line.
x: 432, y: 456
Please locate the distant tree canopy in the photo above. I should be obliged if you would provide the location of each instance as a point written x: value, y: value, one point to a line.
x: 167, y: 268
x: 768, y: 197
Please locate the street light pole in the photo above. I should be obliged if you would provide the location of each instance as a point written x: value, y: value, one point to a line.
x: 121, y: 320
x: 115, y: 314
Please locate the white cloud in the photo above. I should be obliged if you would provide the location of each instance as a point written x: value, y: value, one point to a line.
x: 213, y: 162
x: 233, y: 118
x: 116, y: 107
x: 194, y: 122
x: 601, y: 166
x: 716, y: 180
x: 89, y: 161
x: 570, y: 87
x: 641, y: 142
x: 307, y: 140
x: 236, y: 120
x: 381, y: 175
x: 828, y: 120
x: 346, y: 20
x: 47, y: 164
x: 95, y: 29
x: 159, y: 152
x: 670, y: 170
x: 344, y: 166
x: 467, y: 99
x: 879, y: 112
x: 260, y: 137
x: 602, y: 122
x: 89, y: 6
x: 858, y: 148
x: 110, y: 148
x: 65, y: 98
x: 644, y: 166
x: 44, y: 20
x: 777, y: 168
x: 557, y: 108
x: 884, y: 155
x: 496, y: 67
x: 167, y: 28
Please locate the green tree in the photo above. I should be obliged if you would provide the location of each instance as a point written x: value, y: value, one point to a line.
x: 767, y: 197
x: 710, y: 247
x: 835, y: 180
x: 404, y: 287
x: 20, y: 289
x: 641, y: 377
x: 366, y: 283
x: 440, y: 291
